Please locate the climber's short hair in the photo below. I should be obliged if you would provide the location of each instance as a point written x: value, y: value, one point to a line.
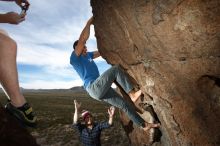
x: 75, y: 44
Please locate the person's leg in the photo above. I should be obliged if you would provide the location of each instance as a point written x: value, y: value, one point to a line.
x: 113, y: 98
x: 101, y: 85
x: 9, y: 81
x: 8, y: 70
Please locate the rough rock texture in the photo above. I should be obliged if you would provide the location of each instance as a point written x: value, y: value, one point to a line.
x: 172, y: 50
x: 11, y: 133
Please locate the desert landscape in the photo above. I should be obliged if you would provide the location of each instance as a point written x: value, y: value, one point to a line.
x: 54, y: 109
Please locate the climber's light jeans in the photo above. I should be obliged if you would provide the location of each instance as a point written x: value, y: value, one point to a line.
x: 100, y: 89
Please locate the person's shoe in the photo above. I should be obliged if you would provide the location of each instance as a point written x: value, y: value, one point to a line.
x: 24, y: 114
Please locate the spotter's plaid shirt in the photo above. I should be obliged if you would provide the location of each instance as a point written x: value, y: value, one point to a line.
x: 91, y: 137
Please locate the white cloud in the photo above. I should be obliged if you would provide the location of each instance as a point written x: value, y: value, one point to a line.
x: 39, y: 37
x: 45, y: 40
x: 42, y: 84
x: 43, y: 56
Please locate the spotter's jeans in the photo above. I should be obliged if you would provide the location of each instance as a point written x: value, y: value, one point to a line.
x: 100, y: 89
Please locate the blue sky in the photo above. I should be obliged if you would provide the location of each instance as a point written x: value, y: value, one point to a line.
x: 45, y: 42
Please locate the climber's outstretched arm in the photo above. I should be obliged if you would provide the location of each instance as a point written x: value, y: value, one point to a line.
x: 83, y: 37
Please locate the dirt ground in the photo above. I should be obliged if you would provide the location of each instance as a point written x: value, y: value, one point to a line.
x: 55, y: 110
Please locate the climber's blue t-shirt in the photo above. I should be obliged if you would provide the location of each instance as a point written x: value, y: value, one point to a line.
x: 85, y: 67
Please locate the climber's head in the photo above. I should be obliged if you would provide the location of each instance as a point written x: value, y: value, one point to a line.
x: 84, y: 49
x: 75, y: 44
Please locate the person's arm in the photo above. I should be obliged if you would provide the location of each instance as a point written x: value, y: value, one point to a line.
x: 111, y: 112
x: 76, y: 113
x: 83, y: 37
x: 12, y: 18
x: 96, y: 54
x: 108, y: 124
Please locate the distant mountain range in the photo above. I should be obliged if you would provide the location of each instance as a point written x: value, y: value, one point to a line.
x: 73, y: 89
x: 78, y: 88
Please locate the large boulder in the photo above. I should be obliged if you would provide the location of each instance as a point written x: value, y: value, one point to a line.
x: 12, y: 133
x: 171, y: 48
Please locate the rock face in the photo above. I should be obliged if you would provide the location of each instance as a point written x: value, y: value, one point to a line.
x: 11, y: 133
x: 171, y: 48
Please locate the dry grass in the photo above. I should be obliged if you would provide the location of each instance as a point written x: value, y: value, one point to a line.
x: 55, y: 110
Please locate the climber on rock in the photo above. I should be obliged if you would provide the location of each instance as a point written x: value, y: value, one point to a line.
x: 89, y: 130
x: 99, y: 87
